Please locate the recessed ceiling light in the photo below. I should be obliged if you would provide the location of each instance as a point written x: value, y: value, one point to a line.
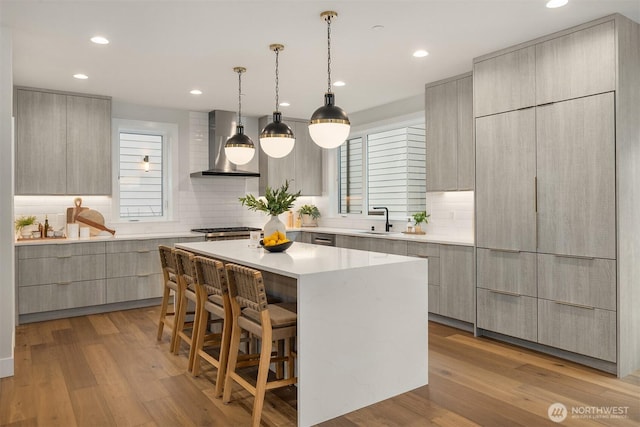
x: 99, y: 40
x: 81, y: 76
x: 377, y: 27
x: 339, y: 83
x: 196, y: 92
x: 284, y: 104
x: 420, y: 53
x: 552, y: 4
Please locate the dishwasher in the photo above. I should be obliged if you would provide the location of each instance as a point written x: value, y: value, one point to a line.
x: 323, y: 239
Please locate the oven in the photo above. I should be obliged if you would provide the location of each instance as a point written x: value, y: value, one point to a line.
x: 226, y: 233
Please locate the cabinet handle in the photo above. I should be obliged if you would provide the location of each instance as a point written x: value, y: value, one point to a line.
x: 535, y: 193
x: 63, y: 257
x: 512, y: 294
x: 511, y: 251
x: 574, y: 256
x: 421, y: 256
x: 570, y: 304
x: 144, y: 251
x: 144, y: 275
x: 63, y: 283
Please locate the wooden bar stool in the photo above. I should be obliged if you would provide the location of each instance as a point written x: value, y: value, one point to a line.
x: 212, y: 299
x: 185, y: 331
x: 169, y: 274
x: 269, y: 322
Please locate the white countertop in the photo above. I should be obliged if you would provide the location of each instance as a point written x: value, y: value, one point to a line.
x: 108, y: 238
x: 426, y: 238
x: 299, y: 260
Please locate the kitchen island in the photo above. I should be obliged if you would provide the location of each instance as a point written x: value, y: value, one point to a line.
x: 362, y: 322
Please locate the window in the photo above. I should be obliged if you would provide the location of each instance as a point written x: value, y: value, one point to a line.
x: 392, y: 173
x: 142, y: 188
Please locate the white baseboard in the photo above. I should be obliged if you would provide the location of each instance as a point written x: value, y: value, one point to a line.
x: 6, y: 367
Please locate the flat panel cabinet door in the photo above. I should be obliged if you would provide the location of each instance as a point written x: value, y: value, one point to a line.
x: 308, y: 161
x: 281, y: 170
x: 578, y: 64
x: 441, y: 111
x: 457, y: 283
x: 465, y: 151
x: 505, y: 82
x: 41, y: 138
x: 88, y: 145
x: 576, y: 177
x: 505, y: 181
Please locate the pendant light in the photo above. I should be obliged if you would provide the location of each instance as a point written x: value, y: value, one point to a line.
x: 276, y: 139
x: 239, y: 148
x: 329, y: 125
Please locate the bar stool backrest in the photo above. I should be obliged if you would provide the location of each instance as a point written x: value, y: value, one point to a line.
x: 168, y: 263
x: 210, y: 274
x: 247, y: 287
x: 186, y: 272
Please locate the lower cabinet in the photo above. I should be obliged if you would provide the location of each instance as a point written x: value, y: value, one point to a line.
x: 457, y: 282
x: 63, y: 276
x: 509, y: 314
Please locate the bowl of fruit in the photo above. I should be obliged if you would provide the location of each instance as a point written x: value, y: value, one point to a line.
x: 276, y: 242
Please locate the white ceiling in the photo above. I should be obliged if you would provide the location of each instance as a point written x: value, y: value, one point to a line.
x: 160, y: 50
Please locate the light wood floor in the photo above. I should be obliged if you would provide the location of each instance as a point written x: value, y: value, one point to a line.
x: 109, y: 370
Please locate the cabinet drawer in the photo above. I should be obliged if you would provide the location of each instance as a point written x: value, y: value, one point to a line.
x: 60, y: 250
x: 591, y: 332
x: 589, y: 282
x: 434, y: 299
x: 507, y: 314
x: 134, y: 288
x: 147, y: 245
x: 36, y: 299
x: 352, y: 242
x: 387, y: 246
x: 133, y: 263
x: 39, y: 271
x: 423, y: 249
x: 513, y: 272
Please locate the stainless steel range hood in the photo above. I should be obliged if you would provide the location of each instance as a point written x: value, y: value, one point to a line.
x: 222, y: 125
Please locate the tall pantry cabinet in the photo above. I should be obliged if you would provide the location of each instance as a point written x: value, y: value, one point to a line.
x: 557, y: 194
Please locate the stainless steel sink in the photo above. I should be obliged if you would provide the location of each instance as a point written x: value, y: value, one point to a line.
x: 382, y: 233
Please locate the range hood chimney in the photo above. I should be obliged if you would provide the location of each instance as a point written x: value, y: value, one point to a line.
x: 222, y: 125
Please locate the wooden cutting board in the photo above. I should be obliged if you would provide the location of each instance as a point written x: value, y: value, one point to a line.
x: 93, y: 216
x: 72, y: 213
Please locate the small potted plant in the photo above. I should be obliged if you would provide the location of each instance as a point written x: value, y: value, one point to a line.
x: 309, y: 215
x: 24, y: 225
x: 275, y: 202
x: 419, y: 218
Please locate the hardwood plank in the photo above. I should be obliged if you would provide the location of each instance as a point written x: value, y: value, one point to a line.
x: 102, y: 324
x: 90, y: 407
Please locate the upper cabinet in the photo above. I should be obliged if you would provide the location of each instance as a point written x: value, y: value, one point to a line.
x: 578, y: 64
x: 505, y: 82
x: 63, y: 143
x: 449, y: 134
x: 302, y: 167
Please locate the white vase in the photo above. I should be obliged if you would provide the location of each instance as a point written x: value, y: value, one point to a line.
x: 309, y: 221
x: 274, y: 224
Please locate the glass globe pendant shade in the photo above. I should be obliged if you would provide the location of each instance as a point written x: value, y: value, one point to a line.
x: 276, y: 139
x: 329, y: 125
x: 239, y: 148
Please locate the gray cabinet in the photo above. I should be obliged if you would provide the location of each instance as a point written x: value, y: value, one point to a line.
x: 352, y: 242
x: 457, y: 282
x: 509, y: 314
x: 449, y: 134
x: 576, y: 177
x: 387, y: 246
x: 507, y: 272
x: 431, y: 251
x: 57, y: 277
x: 88, y: 145
x: 63, y: 143
x: 41, y: 134
x: 302, y: 167
x: 504, y: 82
x: 578, y: 64
x: 505, y: 181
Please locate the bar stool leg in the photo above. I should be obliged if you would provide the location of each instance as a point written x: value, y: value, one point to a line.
x: 234, y: 348
x: 263, y: 373
x: 163, y: 311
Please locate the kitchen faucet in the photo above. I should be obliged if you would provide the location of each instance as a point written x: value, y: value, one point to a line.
x: 387, y: 226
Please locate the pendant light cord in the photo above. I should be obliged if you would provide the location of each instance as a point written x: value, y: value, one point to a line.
x: 277, y: 81
x: 239, y: 98
x: 328, y: 19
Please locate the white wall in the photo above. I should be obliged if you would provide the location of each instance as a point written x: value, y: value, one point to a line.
x: 7, y: 287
